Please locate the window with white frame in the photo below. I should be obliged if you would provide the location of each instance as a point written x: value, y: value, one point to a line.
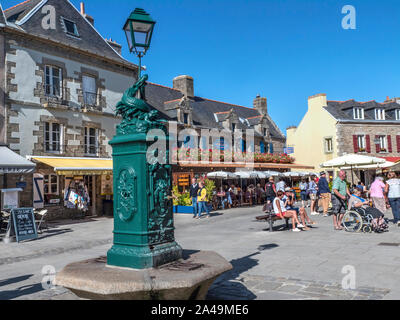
x: 53, y: 81
x: 328, y: 145
x: 91, y: 141
x: 50, y: 183
x: 383, y: 143
x: 89, y: 90
x: 361, y: 143
x: 53, y: 137
x: 379, y: 114
x: 397, y: 114
x: 358, y: 113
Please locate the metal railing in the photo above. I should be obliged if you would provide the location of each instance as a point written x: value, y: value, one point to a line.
x: 73, y: 150
x: 55, y: 94
x: 91, y: 100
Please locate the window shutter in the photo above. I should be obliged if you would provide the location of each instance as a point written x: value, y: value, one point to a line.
x: 378, y: 146
x: 262, y: 147
x: 368, y: 142
x: 389, y: 140
x: 398, y: 143
x: 355, y: 144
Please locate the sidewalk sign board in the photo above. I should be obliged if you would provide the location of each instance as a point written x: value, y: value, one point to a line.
x: 24, y: 224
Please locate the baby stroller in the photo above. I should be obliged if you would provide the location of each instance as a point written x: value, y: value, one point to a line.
x: 366, y: 220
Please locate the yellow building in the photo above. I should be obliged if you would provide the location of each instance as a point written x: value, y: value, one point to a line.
x: 315, y: 139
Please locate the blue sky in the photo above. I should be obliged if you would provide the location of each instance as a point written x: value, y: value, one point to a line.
x: 285, y: 50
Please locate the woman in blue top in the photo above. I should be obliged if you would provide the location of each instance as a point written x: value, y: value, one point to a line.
x: 312, y: 191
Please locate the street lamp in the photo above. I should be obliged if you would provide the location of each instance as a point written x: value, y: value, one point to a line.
x: 139, y: 30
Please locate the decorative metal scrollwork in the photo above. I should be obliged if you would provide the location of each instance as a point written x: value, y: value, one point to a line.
x: 127, y: 194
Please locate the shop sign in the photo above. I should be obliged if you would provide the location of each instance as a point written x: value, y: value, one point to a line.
x: 106, y: 185
x: 21, y: 185
x: 183, y: 180
x: 10, y: 198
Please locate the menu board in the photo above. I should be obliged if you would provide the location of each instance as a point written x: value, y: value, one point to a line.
x: 24, y: 224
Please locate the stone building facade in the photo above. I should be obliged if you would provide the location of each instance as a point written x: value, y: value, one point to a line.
x: 334, y: 128
x: 61, y: 83
x: 57, y: 99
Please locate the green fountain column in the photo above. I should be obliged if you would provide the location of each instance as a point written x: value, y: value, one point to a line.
x: 143, y: 215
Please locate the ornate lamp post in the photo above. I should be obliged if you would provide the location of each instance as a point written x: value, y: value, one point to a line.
x: 143, y: 217
x: 139, y: 31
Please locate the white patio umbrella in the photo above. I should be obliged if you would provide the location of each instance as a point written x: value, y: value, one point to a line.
x: 222, y: 175
x: 246, y: 174
x: 293, y: 174
x: 386, y: 164
x: 273, y: 173
x: 352, y: 160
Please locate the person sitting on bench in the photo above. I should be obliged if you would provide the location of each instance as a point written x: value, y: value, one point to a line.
x: 289, y: 200
x: 281, y: 212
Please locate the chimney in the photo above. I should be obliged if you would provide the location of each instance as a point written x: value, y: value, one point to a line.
x: 185, y: 85
x: 83, y: 13
x: 260, y: 104
x: 117, y: 47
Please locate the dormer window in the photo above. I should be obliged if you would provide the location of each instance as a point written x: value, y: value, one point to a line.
x: 379, y: 114
x: 70, y: 27
x: 358, y: 113
x: 397, y: 113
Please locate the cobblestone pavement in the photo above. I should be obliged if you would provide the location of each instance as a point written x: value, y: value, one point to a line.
x: 278, y: 265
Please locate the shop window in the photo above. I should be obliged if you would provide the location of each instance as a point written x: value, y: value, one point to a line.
x: 53, y: 137
x: 91, y: 141
x: 50, y: 184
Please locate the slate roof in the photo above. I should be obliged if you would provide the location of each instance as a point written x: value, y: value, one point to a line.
x: 343, y: 110
x: 28, y: 17
x: 204, y: 110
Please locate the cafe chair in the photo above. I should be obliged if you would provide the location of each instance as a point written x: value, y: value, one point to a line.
x: 42, y: 216
x: 4, y: 219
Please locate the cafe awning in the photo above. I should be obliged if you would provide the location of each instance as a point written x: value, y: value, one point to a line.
x: 76, y: 166
x: 11, y: 162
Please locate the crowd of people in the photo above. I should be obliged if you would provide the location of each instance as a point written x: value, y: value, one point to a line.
x: 374, y: 200
x: 315, y: 192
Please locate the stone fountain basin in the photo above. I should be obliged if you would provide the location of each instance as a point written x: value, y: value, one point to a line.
x: 185, y: 279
